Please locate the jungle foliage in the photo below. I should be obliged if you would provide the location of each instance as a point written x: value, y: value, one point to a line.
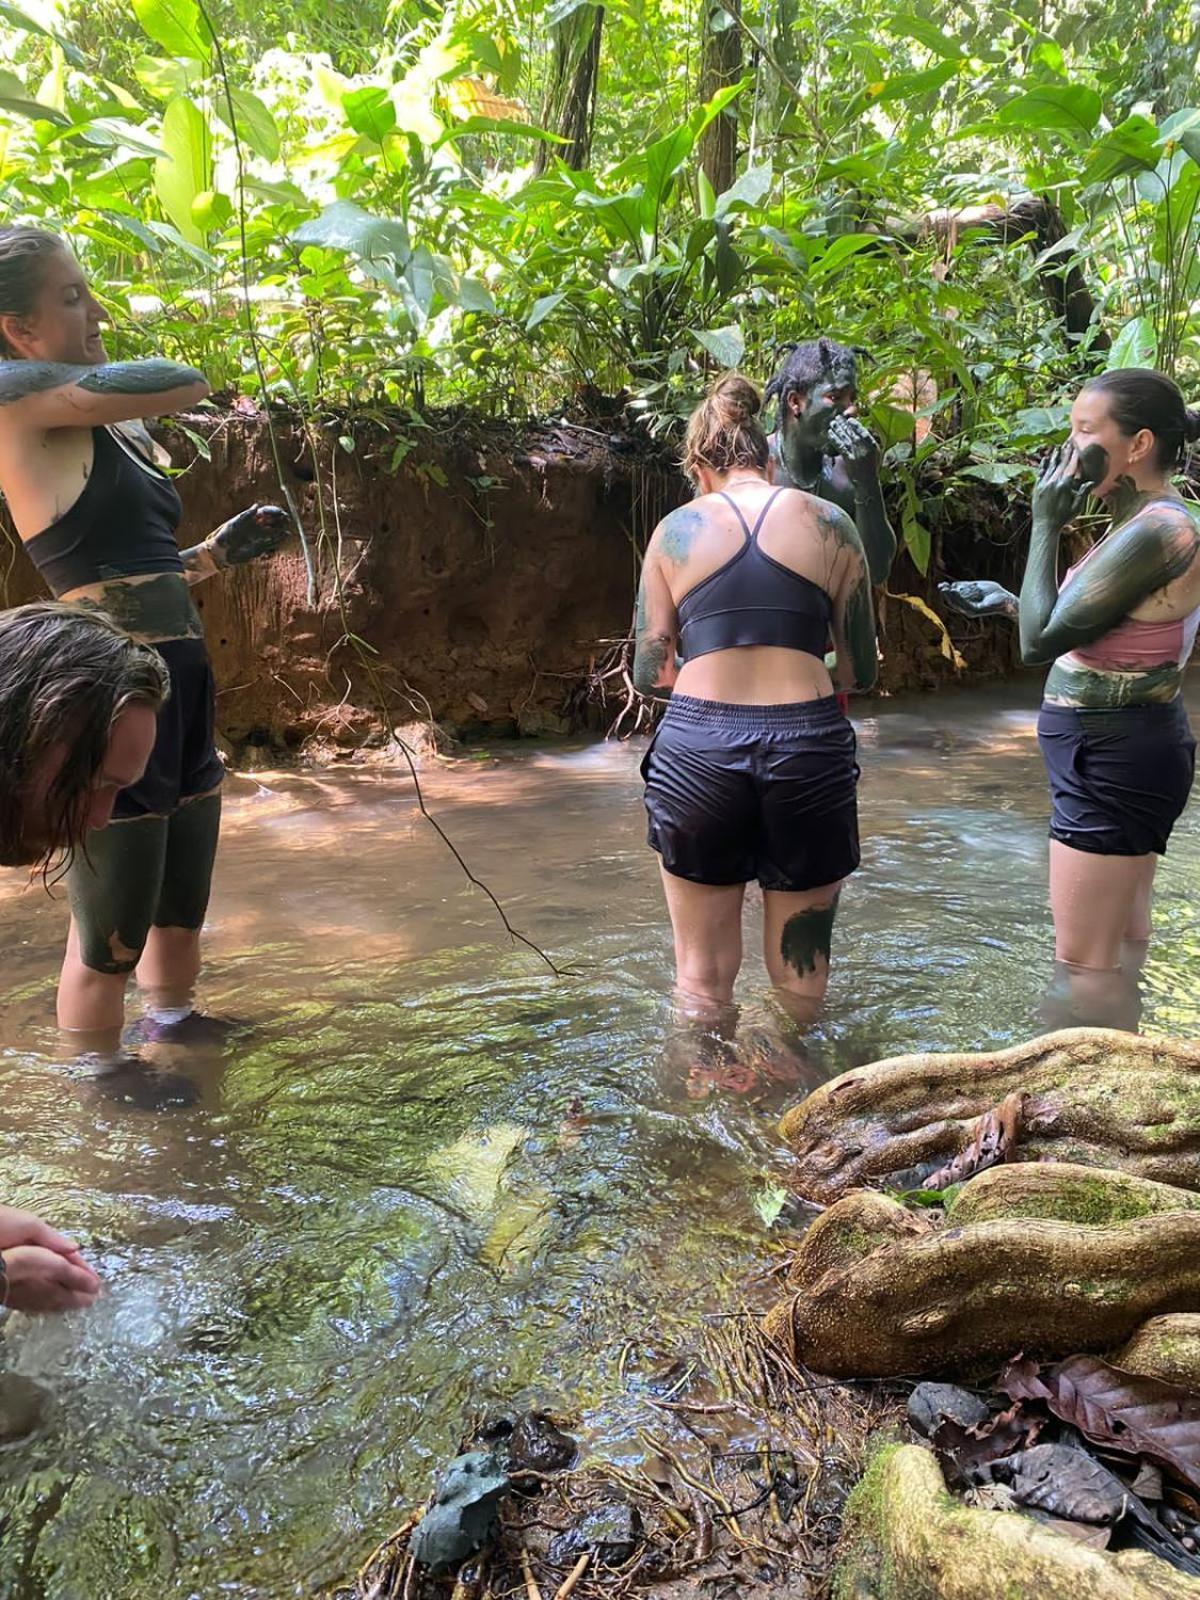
x: 503, y: 204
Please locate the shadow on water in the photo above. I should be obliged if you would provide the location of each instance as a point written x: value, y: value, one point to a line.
x: 423, y: 1178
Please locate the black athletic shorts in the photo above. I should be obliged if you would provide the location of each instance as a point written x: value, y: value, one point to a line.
x: 1118, y: 779
x: 741, y: 792
x: 184, y: 762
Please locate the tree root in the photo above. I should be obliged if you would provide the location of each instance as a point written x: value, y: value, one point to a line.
x: 879, y: 1291
x: 1166, y: 1347
x: 1097, y: 1097
x: 905, y: 1538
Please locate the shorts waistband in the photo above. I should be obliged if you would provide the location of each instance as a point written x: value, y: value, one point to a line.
x: 722, y: 714
x: 1114, y: 719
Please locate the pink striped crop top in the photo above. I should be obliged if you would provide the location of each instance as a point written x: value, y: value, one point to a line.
x: 1134, y: 645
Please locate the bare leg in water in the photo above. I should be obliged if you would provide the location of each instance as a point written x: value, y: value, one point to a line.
x: 1101, y: 908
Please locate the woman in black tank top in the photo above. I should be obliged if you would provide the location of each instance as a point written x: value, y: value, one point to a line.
x: 752, y: 772
x: 98, y: 517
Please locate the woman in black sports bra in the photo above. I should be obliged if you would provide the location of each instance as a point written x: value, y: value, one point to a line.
x: 752, y: 772
x: 98, y: 517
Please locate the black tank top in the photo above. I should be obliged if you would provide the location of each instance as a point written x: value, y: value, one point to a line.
x: 122, y: 526
x: 754, y: 599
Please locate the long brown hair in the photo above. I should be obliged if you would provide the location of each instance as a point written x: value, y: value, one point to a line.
x: 724, y: 431
x: 65, y: 677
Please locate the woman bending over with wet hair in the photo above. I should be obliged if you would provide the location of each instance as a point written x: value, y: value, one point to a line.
x: 1116, y: 631
x: 98, y: 517
x: 752, y: 772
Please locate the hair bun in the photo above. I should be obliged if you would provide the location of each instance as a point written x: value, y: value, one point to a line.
x: 735, y: 400
x: 1191, y: 427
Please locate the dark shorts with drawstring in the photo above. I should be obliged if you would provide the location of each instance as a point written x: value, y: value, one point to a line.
x: 736, y: 793
x: 1118, y: 779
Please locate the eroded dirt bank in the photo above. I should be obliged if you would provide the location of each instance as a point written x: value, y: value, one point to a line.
x: 491, y: 570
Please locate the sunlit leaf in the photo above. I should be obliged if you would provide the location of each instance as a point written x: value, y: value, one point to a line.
x: 256, y: 126
x: 16, y: 18
x: 926, y: 33
x: 184, y: 170
x: 726, y: 345
x: 751, y: 189
x: 542, y: 308
x: 15, y: 99
x: 1135, y: 346
x: 164, y: 79
x: 176, y: 25
x: 911, y: 85
x: 369, y: 111
x: 345, y: 226
x: 1132, y: 146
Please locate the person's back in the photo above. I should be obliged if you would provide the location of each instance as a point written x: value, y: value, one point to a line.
x: 752, y: 772
x: 762, y: 565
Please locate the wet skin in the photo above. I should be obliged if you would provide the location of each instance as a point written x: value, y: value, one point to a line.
x: 672, y: 546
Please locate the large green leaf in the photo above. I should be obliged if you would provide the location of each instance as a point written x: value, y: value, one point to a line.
x: 751, y: 189
x: 911, y: 85
x: 114, y: 133
x: 184, y: 171
x: 842, y: 248
x: 381, y: 244
x: 725, y: 345
x: 1067, y: 107
x: 542, y: 308
x: 1135, y: 346
x: 255, y: 125
x: 369, y: 111
x: 165, y: 78
x: 926, y: 33
x: 15, y: 98
x: 1183, y: 128
x: 176, y: 25
x: 1132, y: 146
x: 16, y: 18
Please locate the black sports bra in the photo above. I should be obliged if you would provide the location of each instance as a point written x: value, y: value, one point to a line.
x: 754, y: 599
x: 122, y: 526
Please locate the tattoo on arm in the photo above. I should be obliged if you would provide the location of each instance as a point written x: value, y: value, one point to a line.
x: 655, y: 629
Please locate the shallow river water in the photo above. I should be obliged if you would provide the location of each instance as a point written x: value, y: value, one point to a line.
x: 424, y: 1178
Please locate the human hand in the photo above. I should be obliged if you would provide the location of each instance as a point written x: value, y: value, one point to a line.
x: 22, y: 1227
x: 856, y: 447
x: 1062, y: 486
x: 255, y: 532
x: 979, y: 599
x: 46, y: 1279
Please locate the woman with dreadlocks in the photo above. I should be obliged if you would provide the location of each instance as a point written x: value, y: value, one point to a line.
x: 98, y: 517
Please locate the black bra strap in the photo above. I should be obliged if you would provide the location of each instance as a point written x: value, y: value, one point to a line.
x: 737, y: 511
x: 762, y: 515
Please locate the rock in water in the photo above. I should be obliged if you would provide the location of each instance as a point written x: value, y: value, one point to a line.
x: 463, y: 1516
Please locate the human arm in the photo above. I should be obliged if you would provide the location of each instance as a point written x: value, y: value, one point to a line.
x: 656, y: 627
x: 860, y: 456
x: 255, y: 532
x: 1152, y: 548
x: 51, y: 394
x: 43, y: 1269
x: 849, y: 587
x: 982, y: 599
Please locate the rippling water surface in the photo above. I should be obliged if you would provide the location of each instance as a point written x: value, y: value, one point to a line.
x: 424, y: 1177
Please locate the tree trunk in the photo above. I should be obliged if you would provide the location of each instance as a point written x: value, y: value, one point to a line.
x: 720, y: 65
x: 570, y: 105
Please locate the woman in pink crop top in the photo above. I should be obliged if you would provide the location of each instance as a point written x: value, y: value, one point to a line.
x: 1116, y: 633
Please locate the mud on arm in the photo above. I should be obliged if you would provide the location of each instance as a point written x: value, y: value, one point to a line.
x: 1151, y: 550
x: 849, y: 587
x: 52, y: 394
x: 656, y: 627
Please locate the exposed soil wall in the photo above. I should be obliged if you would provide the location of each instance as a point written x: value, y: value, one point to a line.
x: 489, y: 572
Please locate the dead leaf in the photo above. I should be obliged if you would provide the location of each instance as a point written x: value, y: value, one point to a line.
x: 1148, y: 1485
x: 966, y: 1454
x: 993, y: 1139
x: 1133, y: 1415
x: 1064, y: 1482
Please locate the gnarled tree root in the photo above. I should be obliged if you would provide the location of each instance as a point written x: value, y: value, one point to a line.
x: 905, y: 1538
x: 878, y: 1290
x: 1166, y: 1347
x: 1097, y: 1097
x: 1064, y: 1191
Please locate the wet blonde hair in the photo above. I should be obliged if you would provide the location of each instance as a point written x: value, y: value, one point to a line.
x: 724, y: 431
